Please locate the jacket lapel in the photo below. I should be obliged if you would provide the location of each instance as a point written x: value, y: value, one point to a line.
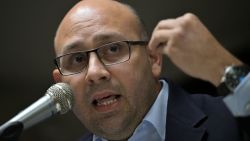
x: 87, y: 137
x: 184, y: 118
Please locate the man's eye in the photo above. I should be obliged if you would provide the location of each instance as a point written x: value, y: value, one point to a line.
x: 114, y: 49
x: 113, y: 52
x: 78, y: 58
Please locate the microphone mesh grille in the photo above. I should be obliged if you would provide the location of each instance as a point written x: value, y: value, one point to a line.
x: 62, y: 94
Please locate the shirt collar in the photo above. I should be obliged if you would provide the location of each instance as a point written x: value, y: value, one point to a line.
x: 158, y: 112
x: 155, y: 118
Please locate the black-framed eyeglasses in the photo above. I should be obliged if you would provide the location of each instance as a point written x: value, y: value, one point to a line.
x: 109, y: 54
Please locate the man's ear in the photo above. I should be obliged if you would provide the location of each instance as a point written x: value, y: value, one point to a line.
x: 155, y: 57
x: 57, y: 76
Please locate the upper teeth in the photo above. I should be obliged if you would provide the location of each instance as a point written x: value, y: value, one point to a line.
x: 105, y: 102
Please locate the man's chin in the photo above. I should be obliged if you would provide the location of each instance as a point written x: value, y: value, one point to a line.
x: 114, y: 132
x: 121, y: 136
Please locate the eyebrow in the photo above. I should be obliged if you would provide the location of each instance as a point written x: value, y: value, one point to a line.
x: 71, y: 46
x: 99, y: 38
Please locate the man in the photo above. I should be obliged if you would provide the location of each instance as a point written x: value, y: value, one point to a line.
x: 103, y: 55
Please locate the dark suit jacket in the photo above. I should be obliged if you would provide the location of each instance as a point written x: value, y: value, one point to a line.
x: 196, y: 117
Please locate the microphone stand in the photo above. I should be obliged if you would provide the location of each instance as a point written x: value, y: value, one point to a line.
x: 11, y: 131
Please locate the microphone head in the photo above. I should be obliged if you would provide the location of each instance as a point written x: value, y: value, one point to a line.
x: 62, y: 96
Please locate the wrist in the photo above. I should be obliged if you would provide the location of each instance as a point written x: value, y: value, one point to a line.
x: 220, y: 65
x: 231, y: 78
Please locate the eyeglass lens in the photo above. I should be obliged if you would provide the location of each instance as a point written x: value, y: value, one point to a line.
x: 109, y: 54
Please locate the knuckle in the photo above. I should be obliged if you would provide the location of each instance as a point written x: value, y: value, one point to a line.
x: 179, y: 33
x: 190, y: 16
x: 188, y: 19
x: 161, y: 23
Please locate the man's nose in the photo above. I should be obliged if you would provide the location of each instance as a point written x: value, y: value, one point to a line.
x: 96, y: 72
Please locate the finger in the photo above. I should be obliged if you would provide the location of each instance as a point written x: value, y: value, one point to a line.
x: 159, y: 38
x: 161, y: 31
x: 166, y: 24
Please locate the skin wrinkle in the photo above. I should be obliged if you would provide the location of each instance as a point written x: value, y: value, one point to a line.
x: 78, y: 26
x: 83, y: 20
x: 100, y: 39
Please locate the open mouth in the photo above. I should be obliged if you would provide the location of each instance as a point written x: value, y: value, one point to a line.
x: 106, y: 100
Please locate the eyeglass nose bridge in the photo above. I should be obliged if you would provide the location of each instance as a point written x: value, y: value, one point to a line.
x: 95, y: 51
x: 96, y: 54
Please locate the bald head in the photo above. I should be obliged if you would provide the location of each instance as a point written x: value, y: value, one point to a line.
x: 89, y: 13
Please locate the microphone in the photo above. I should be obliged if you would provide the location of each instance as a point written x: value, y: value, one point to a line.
x: 57, y: 100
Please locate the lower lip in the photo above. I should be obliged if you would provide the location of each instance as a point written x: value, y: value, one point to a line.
x: 107, y: 108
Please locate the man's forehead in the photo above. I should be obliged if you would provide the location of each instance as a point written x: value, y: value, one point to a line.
x: 84, y: 13
x: 87, y: 16
x: 105, y: 11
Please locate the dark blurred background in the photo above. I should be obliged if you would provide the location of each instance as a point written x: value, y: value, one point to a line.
x: 26, y: 57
